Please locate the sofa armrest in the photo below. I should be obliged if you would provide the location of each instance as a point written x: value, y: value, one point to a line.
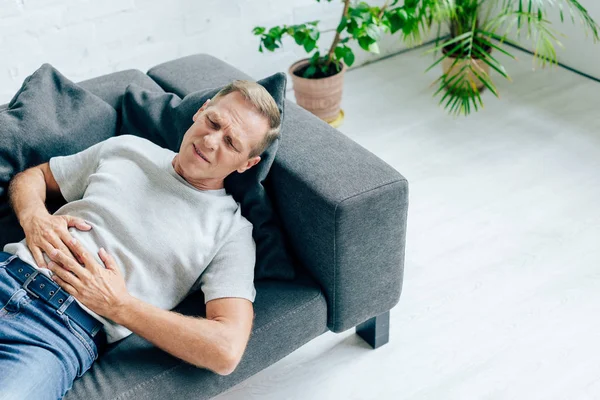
x: 344, y: 211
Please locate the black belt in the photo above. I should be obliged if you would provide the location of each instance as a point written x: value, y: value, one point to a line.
x: 40, y: 286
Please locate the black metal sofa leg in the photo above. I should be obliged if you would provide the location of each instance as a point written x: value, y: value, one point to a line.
x: 375, y: 331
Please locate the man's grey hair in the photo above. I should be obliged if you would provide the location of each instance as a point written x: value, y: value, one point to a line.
x: 263, y: 102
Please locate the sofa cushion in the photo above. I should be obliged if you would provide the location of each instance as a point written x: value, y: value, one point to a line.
x: 164, y: 118
x: 49, y: 116
x: 111, y: 87
x: 288, y: 315
x: 193, y: 73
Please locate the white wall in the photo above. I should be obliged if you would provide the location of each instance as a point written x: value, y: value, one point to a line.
x: 579, y: 51
x: 88, y: 38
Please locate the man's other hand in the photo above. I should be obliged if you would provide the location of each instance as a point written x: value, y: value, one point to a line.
x: 45, y: 232
x: 100, y: 288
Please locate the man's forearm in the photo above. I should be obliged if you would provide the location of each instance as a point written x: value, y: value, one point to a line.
x: 198, y: 341
x: 27, y: 193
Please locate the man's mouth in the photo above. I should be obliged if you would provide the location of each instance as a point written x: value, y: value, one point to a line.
x: 199, y: 154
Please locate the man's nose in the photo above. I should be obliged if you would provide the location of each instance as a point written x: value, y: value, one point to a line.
x: 211, y: 141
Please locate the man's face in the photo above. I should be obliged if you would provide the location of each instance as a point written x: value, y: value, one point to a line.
x: 220, y: 139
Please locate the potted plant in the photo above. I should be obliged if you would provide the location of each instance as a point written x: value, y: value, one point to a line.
x: 479, y: 27
x: 318, y: 79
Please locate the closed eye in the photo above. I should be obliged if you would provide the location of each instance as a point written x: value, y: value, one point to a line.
x: 214, y: 125
x: 228, y: 139
x: 231, y: 143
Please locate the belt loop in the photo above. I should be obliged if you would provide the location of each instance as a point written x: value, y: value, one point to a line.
x: 28, y: 281
x: 8, y: 260
x: 66, y: 304
x: 96, y: 328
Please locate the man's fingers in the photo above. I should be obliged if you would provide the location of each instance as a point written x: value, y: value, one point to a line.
x: 108, y: 261
x: 78, y: 223
x: 62, y: 278
x: 80, y: 252
x: 38, y: 256
x: 68, y: 264
x: 47, y: 248
x: 66, y: 238
x: 58, y: 243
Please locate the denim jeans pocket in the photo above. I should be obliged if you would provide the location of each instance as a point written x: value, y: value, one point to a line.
x: 81, y: 336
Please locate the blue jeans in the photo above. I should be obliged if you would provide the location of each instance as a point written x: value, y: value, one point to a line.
x: 42, y: 351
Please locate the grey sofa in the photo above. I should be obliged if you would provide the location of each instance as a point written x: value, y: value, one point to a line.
x: 343, y: 212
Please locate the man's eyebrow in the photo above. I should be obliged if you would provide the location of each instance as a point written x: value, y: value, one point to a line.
x: 233, y: 134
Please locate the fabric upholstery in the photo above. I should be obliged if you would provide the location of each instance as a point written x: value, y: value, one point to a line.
x: 288, y: 315
x: 111, y: 87
x: 358, y: 205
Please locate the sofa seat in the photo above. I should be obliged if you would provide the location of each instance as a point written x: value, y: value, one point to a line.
x: 287, y: 315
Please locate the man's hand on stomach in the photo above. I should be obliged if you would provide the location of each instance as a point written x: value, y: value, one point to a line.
x: 45, y: 232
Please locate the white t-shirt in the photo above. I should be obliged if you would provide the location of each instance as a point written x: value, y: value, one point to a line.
x: 168, y: 237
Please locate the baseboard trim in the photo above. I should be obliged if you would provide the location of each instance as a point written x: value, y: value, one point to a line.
x: 560, y: 64
x: 576, y: 71
x: 406, y: 50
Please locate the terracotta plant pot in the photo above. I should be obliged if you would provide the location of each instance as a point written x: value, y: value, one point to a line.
x: 451, y: 71
x: 321, y: 96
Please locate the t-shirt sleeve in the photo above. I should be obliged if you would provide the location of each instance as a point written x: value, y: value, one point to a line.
x: 231, y: 272
x: 72, y: 172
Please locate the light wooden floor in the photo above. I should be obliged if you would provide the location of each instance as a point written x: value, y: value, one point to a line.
x: 501, y: 295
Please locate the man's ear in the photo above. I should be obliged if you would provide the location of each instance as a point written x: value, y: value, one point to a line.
x: 204, y: 106
x: 249, y: 164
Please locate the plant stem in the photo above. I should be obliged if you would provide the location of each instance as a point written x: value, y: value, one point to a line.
x: 383, y: 9
x: 336, y: 40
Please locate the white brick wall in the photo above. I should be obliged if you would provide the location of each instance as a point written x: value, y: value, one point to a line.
x: 88, y: 38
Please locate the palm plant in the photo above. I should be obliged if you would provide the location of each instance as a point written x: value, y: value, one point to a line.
x: 478, y: 27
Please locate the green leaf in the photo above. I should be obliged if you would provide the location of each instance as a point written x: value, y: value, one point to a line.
x: 397, y: 20
x: 495, y: 46
x: 374, y: 48
x: 299, y: 37
x: 364, y: 42
x: 259, y: 30
x: 349, y: 57
x: 373, y: 32
x: 315, y: 57
x: 464, y: 37
x: 268, y: 43
x: 340, y: 52
x: 309, y: 44
x: 486, y: 81
x: 362, y: 7
x: 353, y: 26
x: 310, y: 71
x: 342, y: 25
x: 491, y: 61
x: 456, y: 48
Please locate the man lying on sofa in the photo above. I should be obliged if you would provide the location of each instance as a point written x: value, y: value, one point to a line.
x: 160, y: 223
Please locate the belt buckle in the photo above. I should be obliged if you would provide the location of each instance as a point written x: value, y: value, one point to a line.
x: 28, y: 281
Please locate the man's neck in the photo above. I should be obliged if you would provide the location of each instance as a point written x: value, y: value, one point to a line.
x: 200, y: 184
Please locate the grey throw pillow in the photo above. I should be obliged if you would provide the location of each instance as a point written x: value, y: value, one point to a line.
x: 49, y: 116
x: 163, y: 118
